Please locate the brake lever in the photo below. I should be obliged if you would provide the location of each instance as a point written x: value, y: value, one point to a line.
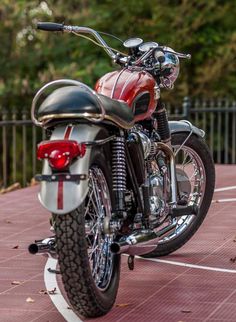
x: 180, y: 55
x: 187, y: 56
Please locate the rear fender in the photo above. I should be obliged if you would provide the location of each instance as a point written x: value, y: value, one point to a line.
x: 62, y: 197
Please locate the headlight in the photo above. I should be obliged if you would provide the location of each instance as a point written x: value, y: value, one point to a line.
x: 169, y: 69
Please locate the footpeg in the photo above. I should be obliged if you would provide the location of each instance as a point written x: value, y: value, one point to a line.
x: 180, y: 211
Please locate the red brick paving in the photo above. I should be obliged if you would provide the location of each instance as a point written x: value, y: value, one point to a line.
x: 152, y: 292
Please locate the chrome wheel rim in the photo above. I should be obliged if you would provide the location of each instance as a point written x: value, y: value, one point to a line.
x: 191, y: 164
x: 98, y: 207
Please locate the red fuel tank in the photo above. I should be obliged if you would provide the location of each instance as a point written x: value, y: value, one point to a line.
x: 136, y: 88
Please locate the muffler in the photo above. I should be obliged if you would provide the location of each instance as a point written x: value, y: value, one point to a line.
x: 141, y: 242
x: 43, y: 246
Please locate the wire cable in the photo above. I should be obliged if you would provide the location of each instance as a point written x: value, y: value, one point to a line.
x: 110, y: 35
x: 96, y: 43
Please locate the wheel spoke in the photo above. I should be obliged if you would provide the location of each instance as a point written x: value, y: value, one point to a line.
x: 97, y: 208
x: 88, y: 203
x: 94, y: 249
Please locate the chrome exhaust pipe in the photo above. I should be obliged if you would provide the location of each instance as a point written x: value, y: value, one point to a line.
x: 140, y: 242
x: 43, y: 246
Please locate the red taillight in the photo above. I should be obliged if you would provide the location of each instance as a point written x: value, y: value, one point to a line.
x: 60, y: 153
x: 58, y: 160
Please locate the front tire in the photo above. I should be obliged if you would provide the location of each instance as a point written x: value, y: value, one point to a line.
x: 90, y: 272
x: 196, y: 151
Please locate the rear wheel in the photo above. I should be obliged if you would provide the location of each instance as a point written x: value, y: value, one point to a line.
x: 90, y: 272
x: 196, y: 182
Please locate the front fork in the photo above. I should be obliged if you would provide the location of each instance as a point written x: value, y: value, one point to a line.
x: 173, y: 182
x: 163, y: 130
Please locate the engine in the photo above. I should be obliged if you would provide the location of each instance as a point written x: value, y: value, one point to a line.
x: 153, y: 168
x: 157, y: 204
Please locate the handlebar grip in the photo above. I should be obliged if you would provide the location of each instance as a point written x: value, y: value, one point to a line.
x: 50, y: 26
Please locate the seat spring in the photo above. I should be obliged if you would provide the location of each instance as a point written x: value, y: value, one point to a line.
x: 118, y: 164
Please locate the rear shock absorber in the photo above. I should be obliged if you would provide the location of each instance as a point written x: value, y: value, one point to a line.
x: 162, y: 122
x: 119, y: 176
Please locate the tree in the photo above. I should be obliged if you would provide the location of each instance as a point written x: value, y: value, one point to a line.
x: 30, y: 58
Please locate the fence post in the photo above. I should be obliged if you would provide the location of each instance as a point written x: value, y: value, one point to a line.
x: 219, y: 131
x: 186, y: 107
x: 14, y: 112
x: 24, y: 117
x: 226, y: 134
x: 234, y: 133
x: 4, y: 148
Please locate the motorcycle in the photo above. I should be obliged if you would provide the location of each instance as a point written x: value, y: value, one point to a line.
x: 118, y: 177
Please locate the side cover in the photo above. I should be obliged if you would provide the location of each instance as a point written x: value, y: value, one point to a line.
x: 61, y: 197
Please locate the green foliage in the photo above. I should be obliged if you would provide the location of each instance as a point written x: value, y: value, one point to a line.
x: 29, y: 58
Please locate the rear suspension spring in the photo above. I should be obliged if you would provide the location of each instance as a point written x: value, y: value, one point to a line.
x: 119, y: 173
x: 118, y: 164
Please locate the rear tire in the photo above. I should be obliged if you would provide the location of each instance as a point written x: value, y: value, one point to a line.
x: 182, y: 234
x: 91, y: 288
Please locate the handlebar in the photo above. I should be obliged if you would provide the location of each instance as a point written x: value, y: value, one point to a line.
x: 52, y: 26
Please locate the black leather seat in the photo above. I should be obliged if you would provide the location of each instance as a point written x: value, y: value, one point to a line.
x: 77, y: 102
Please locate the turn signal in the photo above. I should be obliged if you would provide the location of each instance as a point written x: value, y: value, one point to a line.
x: 60, y: 153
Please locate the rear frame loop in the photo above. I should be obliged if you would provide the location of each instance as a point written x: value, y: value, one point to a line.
x: 65, y: 82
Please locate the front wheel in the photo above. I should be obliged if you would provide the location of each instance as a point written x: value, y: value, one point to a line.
x: 196, y: 181
x: 90, y: 272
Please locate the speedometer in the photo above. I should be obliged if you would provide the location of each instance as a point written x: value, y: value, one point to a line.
x: 146, y: 46
x: 132, y: 42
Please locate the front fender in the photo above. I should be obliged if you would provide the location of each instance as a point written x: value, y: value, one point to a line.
x: 185, y: 126
x: 62, y: 197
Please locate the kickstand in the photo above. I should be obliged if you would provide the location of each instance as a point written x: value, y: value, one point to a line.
x: 54, y: 271
x: 131, y: 262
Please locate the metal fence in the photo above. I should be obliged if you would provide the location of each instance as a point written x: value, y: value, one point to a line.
x: 18, y: 140
x: 19, y: 137
x: 218, y: 119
